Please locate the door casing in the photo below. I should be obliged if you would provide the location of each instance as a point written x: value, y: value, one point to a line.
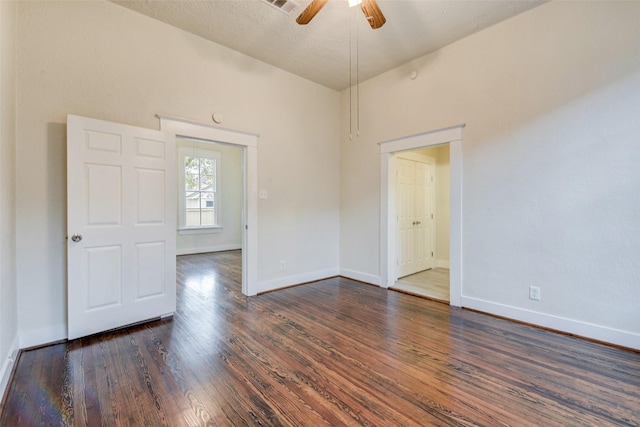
x: 249, y: 142
x: 453, y: 136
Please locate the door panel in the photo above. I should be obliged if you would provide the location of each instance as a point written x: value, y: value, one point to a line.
x: 103, y: 195
x: 121, y: 195
x: 149, y: 194
x: 104, y: 265
x: 414, y: 209
x: 150, y: 260
x: 424, y: 218
x: 405, y: 207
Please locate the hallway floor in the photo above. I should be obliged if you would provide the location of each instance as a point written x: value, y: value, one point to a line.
x: 433, y: 283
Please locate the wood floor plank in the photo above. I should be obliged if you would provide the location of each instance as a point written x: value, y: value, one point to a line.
x: 334, y: 352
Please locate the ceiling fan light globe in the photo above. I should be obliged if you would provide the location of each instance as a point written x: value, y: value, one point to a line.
x: 353, y: 3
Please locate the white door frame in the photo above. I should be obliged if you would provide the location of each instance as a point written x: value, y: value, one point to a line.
x: 453, y: 136
x: 249, y: 143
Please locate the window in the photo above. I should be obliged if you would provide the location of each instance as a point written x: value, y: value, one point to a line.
x: 198, y: 173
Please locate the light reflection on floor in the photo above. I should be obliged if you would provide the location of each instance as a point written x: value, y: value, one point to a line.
x: 203, y: 284
x: 201, y: 287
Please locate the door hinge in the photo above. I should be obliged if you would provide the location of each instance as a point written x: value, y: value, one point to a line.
x: 431, y: 216
x: 431, y: 254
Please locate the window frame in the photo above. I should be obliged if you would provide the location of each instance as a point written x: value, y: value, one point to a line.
x: 198, y: 151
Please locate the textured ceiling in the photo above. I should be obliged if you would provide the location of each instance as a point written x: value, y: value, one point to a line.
x: 320, y: 51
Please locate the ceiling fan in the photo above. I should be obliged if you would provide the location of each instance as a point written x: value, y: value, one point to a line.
x: 369, y: 7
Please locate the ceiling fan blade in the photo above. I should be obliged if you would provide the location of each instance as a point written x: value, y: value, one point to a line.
x: 311, y: 10
x: 373, y: 13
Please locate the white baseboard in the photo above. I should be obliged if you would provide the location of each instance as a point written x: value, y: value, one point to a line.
x: 441, y: 263
x: 7, y: 366
x: 570, y: 326
x: 43, y: 336
x: 283, y: 282
x: 219, y: 248
x: 359, y: 276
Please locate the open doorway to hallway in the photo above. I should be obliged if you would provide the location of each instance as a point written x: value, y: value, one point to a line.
x: 422, y: 203
x: 210, y: 196
x: 210, y: 199
x: 248, y: 143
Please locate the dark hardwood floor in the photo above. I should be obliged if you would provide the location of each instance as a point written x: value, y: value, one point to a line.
x: 334, y: 352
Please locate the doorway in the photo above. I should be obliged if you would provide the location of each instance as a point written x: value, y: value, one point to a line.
x: 209, y: 197
x: 388, y: 149
x: 422, y: 233
x: 248, y: 143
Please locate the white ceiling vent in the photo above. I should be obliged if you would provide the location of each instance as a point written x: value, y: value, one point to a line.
x: 284, y: 6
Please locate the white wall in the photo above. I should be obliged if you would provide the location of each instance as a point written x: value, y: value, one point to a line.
x: 551, y: 100
x: 230, y: 191
x: 8, y: 291
x: 101, y: 60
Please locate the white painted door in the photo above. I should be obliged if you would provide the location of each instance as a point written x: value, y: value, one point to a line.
x: 424, y: 214
x: 121, y: 225
x: 415, y: 211
x: 405, y: 209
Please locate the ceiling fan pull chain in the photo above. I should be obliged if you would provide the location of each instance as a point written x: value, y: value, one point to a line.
x: 357, y: 82
x: 350, y: 79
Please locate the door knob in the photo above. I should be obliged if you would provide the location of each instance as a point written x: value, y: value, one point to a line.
x: 76, y: 237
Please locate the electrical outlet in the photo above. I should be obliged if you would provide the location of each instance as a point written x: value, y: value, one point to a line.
x: 283, y: 265
x: 534, y: 293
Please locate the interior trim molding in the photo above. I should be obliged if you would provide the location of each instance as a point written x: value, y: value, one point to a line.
x: 360, y: 276
x: 207, y: 249
x: 560, y: 324
x: 440, y: 263
x: 423, y: 139
x: 252, y: 137
x: 297, y: 279
x: 8, y: 367
x: 43, y: 336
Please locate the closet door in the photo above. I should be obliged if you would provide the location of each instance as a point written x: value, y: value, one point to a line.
x: 406, y: 221
x: 424, y: 218
x: 415, y: 193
